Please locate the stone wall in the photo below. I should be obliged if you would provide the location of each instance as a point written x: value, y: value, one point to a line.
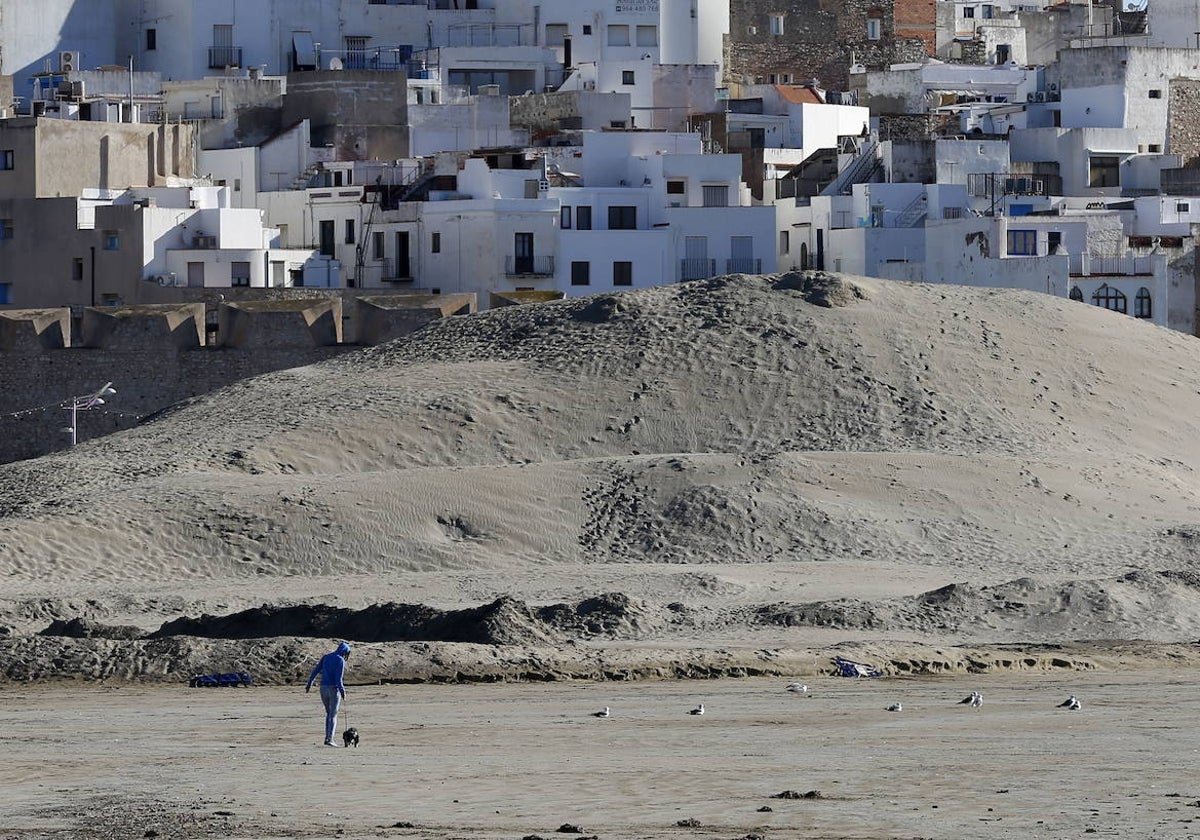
x: 156, y: 356
x: 1183, y: 121
x: 821, y: 38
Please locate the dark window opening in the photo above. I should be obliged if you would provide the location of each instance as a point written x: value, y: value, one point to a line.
x: 1111, y: 299
x: 581, y: 273
x: 622, y: 274
x: 1142, y: 307
x: 622, y: 218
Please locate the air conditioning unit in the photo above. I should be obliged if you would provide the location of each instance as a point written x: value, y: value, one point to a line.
x: 1040, y: 96
x: 1053, y: 87
x: 1031, y: 97
x: 1052, y: 96
x: 68, y: 61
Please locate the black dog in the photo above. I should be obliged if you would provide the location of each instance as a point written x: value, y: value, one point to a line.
x: 350, y: 736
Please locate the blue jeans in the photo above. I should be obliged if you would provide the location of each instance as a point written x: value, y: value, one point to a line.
x: 333, y: 701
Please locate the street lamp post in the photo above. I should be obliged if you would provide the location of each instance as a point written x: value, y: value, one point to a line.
x: 85, y: 403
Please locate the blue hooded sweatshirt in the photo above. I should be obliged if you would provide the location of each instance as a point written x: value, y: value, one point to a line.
x: 331, y: 667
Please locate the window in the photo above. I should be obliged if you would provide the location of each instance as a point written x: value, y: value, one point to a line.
x: 1053, y: 241
x: 6, y: 228
x: 583, y: 217
x: 523, y: 253
x: 556, y: 34
x: 1155, y: 148
x: 1076, y: 294
x: 151, y: 39
x: 987, y: 12
x: 1022, y: 242
x: 1141, y: 304
x: 112, y: 240
x: 587, y: 29
x: 564, y: 217
x: 77, y: 269
x: 716, y: 195
x: 622, y: 218
x: 676, y: 187
x: 435, y: 242
x: 239, y: 273
x: 622, y: 273
x: 1181, y: 207
x: 874, y: 29
x: 776, y: 24
x: 1003, y: 54
x: 1155, y: 93
x: 5, y: 292
x: 647, y: 36
x: 377, y: 244
x: 1111, y: 299
x: 627, y: 77
x: 1104, y: 171
x: 784, y: 245
x: 618, y: 35
x: 6, y: 158
x: 349, y: 231
x: 581, y: 273
x: 968, y: 11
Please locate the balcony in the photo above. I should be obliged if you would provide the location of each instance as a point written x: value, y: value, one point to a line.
x: 529, y: 266
x: 222, y: 57
x: 1124, y: 265
x: 697, y: 268
x: 743, y: 265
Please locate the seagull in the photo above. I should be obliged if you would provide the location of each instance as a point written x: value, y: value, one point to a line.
x: 1071, y: 703
x: 603, y: 713
x: 969, y: 699
x: 977, y: 700
x: 895, y: 707
x: 797, y: 688
x: 699, y: 710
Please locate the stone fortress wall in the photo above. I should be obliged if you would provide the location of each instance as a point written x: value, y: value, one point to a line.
x: 156, y: 355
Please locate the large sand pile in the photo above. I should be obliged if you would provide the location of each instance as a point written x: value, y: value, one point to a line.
x: 716, y: 477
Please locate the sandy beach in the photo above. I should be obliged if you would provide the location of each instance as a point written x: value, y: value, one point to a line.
x: 508, y: 761
x: 687, y: 494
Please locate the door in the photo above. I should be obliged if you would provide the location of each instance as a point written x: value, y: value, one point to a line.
x: 741, y: 255
x: 695, y: 258
x: 327, y: 237
x: 196, y: 275
x: 523, y: 253
x: 402, y: 255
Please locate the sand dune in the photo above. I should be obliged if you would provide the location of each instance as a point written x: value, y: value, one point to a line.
x: 753, y: 463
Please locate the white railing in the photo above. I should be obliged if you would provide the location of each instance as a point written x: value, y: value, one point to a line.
x: 1124, y: 265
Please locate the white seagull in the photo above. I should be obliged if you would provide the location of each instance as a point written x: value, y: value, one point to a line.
x: 1071, y: 703
x: 970, y: 699
x: 797, y: 688
x: 699, y: 710
x: 895, y: 707
x: 603, y: 713
x: 977, y: 700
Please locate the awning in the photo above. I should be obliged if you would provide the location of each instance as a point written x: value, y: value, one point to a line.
x: 306, y: 50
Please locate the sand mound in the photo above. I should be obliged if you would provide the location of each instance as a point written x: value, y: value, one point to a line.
x: 827, y: 454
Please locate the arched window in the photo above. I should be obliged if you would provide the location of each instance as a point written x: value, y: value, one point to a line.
x: 1110, y: 298
x: 804, y: 255
x: 1076, y: 294
x: 1142, y: 307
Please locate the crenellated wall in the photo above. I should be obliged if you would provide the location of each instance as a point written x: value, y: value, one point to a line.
x: 157, y: 355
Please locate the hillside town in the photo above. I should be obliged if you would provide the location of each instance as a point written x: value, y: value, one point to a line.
x: 182, y: 151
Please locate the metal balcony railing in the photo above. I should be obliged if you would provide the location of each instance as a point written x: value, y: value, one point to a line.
x: 220, y: 57
x: 744, y: 265
x: 697, y: 269
x: 529, y: 266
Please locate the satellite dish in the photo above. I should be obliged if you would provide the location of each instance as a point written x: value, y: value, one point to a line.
x: 335, y: 63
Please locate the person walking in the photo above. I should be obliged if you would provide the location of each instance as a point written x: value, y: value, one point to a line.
x: 331, y: 667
